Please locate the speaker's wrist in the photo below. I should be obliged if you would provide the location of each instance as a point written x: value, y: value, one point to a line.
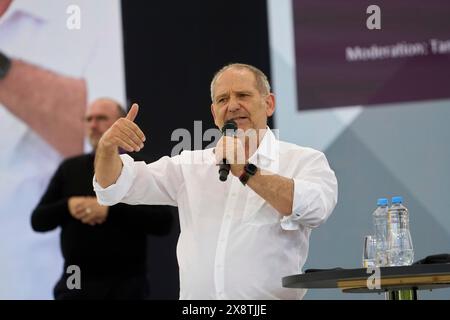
x: 248, y: 172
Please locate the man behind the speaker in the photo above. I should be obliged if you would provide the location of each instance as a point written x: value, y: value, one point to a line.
x: 238, y: 237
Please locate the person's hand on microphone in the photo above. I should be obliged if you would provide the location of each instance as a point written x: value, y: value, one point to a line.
x: 232, y: 149
x: 124, y: 133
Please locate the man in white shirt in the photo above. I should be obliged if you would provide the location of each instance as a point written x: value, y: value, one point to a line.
x: 239, y: 237
x: 49, y: 73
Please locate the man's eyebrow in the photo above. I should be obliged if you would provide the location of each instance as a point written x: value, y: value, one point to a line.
x: 237, y: 92
x: 243, y: 92
x: 221, y: 95
x: 95, y: 117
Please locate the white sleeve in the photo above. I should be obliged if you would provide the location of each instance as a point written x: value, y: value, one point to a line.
x: 315, y: 195
x: 156, y: 183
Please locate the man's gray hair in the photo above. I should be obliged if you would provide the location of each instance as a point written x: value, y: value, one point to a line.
x: 262, y: 84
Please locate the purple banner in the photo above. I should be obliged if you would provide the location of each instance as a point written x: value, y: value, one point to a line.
x: 342, y: 62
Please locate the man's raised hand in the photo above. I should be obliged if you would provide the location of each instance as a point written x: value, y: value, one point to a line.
x: 124, y: 133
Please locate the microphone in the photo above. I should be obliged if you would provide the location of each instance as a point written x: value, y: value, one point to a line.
x: 228, y: 129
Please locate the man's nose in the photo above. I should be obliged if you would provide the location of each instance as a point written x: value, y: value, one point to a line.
x: 92, y: 124
x: 233, y: 104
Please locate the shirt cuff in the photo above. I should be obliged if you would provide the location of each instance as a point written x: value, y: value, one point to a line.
x: 114, y: 193
x: 299, y: 206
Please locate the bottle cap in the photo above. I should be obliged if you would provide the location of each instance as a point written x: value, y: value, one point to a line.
x: 382, y: 202
x: 397, y: 200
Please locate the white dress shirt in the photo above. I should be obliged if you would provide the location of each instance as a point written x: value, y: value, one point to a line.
x: 233, y: 244
x: 36, y: 32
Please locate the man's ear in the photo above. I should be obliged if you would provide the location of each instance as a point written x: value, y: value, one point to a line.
x: 270, y: 104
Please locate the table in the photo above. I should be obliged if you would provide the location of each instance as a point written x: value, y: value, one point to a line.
x: 399, y: 283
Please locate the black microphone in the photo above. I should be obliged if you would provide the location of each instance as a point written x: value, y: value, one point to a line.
x: 228, y: 129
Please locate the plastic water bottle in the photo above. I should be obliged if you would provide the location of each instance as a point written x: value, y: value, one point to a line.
x: 380, y: 223
x: 400, y: 248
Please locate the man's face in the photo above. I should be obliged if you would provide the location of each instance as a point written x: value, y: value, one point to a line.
x: 100, y: 116
x: 236, y: 97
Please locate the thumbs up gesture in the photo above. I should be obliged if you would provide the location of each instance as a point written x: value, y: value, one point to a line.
x: 124, y: 133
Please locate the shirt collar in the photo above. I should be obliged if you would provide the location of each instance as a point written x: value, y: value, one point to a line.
x: 267, y: 154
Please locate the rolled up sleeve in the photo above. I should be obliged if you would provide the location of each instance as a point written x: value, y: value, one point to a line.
x: 116, y: 192
x: 315, y: 195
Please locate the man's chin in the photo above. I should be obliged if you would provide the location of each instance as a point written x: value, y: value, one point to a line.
x: 245, y: 127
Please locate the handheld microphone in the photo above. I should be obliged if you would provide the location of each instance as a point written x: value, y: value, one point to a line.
x: 228, y: 129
